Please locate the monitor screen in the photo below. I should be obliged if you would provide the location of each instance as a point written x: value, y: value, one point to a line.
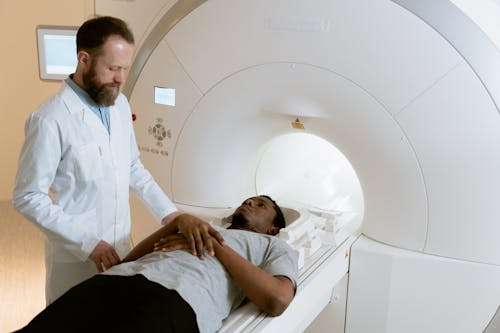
x: 165, y: 96
x: 56, y: 51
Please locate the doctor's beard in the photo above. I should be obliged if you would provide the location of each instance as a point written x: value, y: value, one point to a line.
x: 103, y: 94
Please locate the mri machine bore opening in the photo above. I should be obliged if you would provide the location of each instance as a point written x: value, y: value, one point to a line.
x: 322, y: 200
x: 304, y: 170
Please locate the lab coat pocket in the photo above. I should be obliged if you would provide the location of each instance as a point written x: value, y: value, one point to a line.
x: 88, y: 163
x: 64, y: 250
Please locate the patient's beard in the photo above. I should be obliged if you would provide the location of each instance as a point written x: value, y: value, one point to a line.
x: 239, y: 222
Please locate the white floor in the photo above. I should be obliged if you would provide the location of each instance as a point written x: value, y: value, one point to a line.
x: 22, y: 269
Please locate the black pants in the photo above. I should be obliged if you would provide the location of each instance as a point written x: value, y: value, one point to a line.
x: 108, y: 303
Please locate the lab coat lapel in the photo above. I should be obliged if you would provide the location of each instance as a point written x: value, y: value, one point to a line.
x: 74, y: 104
x: 71, y: 99
x: 91, y: 119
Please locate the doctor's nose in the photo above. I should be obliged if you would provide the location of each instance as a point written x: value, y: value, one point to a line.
x: 119, y: 76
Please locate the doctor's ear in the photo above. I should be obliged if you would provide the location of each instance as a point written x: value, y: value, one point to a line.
x: 83, y: 58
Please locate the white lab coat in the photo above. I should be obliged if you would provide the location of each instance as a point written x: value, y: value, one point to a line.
x: 69, y: 153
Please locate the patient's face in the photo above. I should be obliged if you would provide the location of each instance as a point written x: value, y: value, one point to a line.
x: 255, y: 214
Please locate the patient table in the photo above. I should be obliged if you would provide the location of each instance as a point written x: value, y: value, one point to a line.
x: 322, y: 241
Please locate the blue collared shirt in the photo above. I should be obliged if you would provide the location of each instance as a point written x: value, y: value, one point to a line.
x: 102, y: 112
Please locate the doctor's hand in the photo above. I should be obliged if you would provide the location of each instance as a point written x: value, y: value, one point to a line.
x: 199, y: 234
x: 104, y: 254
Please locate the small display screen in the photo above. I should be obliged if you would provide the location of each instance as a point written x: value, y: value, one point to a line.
x: 60, y: 54
x: 56, y: 51
x: 165, y: 96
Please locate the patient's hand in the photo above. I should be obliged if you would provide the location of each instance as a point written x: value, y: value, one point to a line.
x: 172, y: 243
x: 199, y: 234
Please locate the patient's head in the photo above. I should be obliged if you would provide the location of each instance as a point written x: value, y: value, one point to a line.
x: 260, y: 214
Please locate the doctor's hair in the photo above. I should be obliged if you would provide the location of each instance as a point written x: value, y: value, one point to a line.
x: 279, y: 220
x: 93, y: 33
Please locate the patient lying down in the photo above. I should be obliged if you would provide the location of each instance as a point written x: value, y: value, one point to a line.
x: 161, y: 287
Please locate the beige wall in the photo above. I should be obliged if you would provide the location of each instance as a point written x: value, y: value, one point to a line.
x: 21, y: 90
x: 22, y: 270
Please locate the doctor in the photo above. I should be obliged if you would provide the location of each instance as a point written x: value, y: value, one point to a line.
x: 79, y: 160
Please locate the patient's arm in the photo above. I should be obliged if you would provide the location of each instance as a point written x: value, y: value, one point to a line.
x: 147, y: 245
x: 199, y: 234
x: 271, y: 294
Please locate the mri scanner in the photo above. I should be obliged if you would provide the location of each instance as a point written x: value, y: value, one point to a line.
x: 379, y: 118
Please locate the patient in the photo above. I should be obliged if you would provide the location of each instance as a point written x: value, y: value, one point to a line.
x: 161, y: 287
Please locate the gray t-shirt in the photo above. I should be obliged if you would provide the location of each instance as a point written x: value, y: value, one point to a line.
x: 205, y: 284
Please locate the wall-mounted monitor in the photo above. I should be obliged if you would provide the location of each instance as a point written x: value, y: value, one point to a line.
x: 56, y: 51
